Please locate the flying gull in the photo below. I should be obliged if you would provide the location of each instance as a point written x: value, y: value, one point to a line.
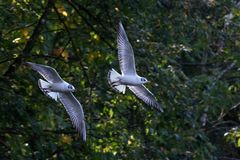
x: 129, y: 77
x: 56, y: 88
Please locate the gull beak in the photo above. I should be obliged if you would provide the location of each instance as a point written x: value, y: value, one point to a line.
x: 148, y: 81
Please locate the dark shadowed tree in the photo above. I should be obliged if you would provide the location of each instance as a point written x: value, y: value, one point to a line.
x: 188, y: 49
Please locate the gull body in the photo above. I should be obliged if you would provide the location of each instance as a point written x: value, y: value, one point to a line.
x: 130, y: 80
x: 61, y: 87
x: 129, y: 77
x: 59, y: 90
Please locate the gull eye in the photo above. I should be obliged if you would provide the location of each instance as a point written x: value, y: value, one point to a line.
x: 142, y: 79
x: 69, y: 87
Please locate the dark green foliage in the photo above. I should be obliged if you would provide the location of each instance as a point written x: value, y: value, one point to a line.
x: 188, y: 49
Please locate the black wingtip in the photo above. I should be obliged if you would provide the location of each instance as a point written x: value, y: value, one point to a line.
x: 84, y: 138
x: 120, y: 23
x: 81, y: 129
x: 120, y: 26
x: 158, y: 107
x: 32, y: 65
x: 29, y: 63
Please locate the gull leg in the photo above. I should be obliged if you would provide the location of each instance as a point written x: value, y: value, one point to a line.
x: 118, y: 86
x: 47, y: 89
x: 115, y: 83
x: 44, y: 86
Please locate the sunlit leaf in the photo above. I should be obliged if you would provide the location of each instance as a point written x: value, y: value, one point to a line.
x: 66, y: 139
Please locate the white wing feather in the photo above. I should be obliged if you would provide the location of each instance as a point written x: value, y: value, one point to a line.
x: 75, y: 111
x: 48, y: 73
x: 125, y: 53
x: 144, y: 94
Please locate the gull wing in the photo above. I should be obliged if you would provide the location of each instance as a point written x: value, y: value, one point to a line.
x: 48, y: 73
x: 43, y: 85
x: 75, y: 111
x: 125, y: 53
x: 144, y: 94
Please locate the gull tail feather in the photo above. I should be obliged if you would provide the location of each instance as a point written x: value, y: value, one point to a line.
x: 113, y: 80
x: 45, y: 88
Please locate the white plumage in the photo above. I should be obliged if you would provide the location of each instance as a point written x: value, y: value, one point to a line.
x: 56, y: 88
x: 129, y: 77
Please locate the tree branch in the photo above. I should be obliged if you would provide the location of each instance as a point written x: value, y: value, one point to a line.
x: 18, y: 28
x: 222, y: 73
x: 81, y: 7
x: 88, y: 23
x: 73, y: 45
x: 30, y: 43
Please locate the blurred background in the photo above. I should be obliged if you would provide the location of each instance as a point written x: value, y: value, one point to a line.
x: 189, y: 50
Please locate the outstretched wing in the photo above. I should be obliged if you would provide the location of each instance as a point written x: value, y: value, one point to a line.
x: 75, y: 111
x: 144, y: 94
x: 48, y: 73
x: 125, y: 53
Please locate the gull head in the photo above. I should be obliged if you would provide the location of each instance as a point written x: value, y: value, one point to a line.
x: 71, y: 88
x: 143, y: 80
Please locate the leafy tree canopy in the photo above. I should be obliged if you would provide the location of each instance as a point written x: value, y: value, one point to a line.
x: 188, y: 49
